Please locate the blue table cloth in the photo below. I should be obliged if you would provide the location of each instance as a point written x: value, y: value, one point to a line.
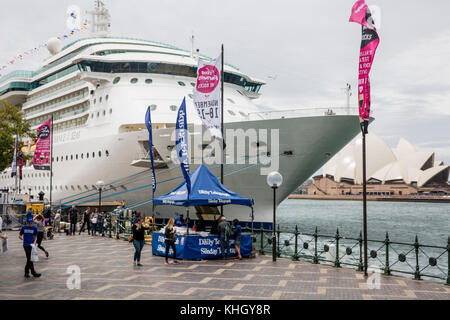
x: 196, y: 247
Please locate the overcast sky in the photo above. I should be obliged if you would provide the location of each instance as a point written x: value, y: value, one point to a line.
x: 306, y: 51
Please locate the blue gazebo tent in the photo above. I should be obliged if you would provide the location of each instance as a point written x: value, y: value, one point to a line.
x: 206, y: 190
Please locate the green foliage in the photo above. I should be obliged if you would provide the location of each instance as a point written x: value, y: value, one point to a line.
x: 11, y: 123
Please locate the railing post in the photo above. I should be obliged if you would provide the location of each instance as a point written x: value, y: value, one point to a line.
x: 278, y: 242
x: 337, y: 264
x: 387, y: 270
x: 316, y: 257
x: 360, y: 240
x: 295, y: 257
x: 416, y: 249
x: 261, y: 249
x: 448, y: 265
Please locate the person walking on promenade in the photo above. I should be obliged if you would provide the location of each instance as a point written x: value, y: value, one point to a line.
x: 100, y: 219
x: 94, y: 220
x: 224, y: 235
x: 170, y: 237
x: 237, y: 231
x: 86, y: 220
x: 1, y: 226
x: 40, y: 224
x: 73, y: 219
x: 57, y: 221
x: 28, y: 234
x: 47, y: 214
x: 138, y: 240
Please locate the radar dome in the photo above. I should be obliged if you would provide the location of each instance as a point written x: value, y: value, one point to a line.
x: 54, y: 45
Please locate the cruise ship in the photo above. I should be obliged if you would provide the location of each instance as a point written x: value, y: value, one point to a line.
x: 98, y: 89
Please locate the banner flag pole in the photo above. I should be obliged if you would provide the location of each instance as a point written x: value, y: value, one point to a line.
x: 51, y: 162
x: 222, y: 73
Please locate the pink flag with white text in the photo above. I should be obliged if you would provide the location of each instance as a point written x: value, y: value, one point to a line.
x: 369, y: 43
x: 42, y: 154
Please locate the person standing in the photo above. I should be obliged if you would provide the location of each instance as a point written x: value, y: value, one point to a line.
x: 224, y: 235
x: 100, y: 218
x: 170, y: 238
x: 73, y: 219
x: 94, y: 220
x: 28, y: 234
x: 237, y: 236
x: 86, y: 219
x: 40, y: 224
x: 1, y: 226
x: 138, y: 240
x: 57, y: 221
x: 47, y: 214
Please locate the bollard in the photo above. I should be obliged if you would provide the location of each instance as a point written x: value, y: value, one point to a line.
x: 295, y: 257
x: 387, y: 270
x: 360, y: 240
x: 316, y: 257
x: 261, y: 249
x: 337, y: 264
x: 278, y: 242
x: 416, y: 247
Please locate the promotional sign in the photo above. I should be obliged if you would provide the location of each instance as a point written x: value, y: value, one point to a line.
x: 207, y: 95
x: 196, y: 247
x: 369, y: 43
x: 42, y: 154
x: 148, y: 123
x: 181, y: 136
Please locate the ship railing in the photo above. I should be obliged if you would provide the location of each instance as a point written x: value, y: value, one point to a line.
x: 53, y: 93
x: 301, y: 112
x: 78, y: 97
x: 419, y: 260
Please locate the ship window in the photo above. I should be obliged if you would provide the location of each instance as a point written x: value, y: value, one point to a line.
x: 104, y: 112
x: 106, y: 97
x: 95, y: 100
x: 110, y: 111
x: 100, y: 100
x: 193, y: 84
x: 231, y: 112
x: 181, y: 83
x: 190, y: 95
x: 87, y: 155
x: 107, y: 153
x: 134, y: 80
x: 173, y: 108
x: 116, y: 80
x: 67, y: 157
x: 71, y: 157
x: 98, y: 114
x: 153, y: 107
x: 93, y: 154
x: 99, y: 153
x: 230, y: 100
x: 76, y: 156
x: 82, y: 155
x: 243, y: 114
x: 148, y: 81
x: 57, y: 159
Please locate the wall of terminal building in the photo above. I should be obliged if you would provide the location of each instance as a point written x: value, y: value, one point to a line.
x: 328, y: 186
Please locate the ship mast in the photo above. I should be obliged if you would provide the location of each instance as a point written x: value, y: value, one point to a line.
x: 100, y: 20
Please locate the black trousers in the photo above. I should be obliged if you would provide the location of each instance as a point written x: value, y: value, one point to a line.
x: 40, y: 236
x: 29, y: 266
x: 88, y: 225
x: 168, y: 245
x: 73, y: 227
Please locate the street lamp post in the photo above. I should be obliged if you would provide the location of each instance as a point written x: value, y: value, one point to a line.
x: 274, y: 180
x: 29, y: 192
x: 99, y: 185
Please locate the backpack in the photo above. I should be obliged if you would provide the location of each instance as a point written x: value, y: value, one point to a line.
x: 228, y: 231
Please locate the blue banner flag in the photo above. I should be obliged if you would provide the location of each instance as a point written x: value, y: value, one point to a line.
x: 181, y: 137
x: 148, y: 123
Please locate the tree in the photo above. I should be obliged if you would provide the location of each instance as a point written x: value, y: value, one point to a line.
x: 11, y: 123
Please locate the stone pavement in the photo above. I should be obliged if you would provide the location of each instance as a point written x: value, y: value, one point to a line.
x: 107, y: 272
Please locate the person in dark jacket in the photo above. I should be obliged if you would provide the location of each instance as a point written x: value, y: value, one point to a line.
x: 86, y: 220
x: 224, y: 230
x: 170, y: 235
x: 39, y: 220
x: 73, y: 219
x: 138, y: 240
x: 237, y: 235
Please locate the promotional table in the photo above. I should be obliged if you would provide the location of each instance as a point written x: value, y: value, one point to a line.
x: 196, y: 247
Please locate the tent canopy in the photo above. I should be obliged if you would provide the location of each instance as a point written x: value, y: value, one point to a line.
x: 206, y: 190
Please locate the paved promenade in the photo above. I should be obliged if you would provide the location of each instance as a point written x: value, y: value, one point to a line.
x: 107, y: 272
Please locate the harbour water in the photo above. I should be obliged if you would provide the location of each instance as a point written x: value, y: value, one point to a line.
x: 402, y: 220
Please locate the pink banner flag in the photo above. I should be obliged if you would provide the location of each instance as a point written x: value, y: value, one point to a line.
x: 369, y: 43
x: 42, y: 154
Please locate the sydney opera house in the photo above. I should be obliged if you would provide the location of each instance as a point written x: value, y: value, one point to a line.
x: 401, y: 171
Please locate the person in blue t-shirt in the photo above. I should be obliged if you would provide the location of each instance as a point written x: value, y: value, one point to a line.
x: 180, y: 222
x: 237, y: 231
x: 28, y: 234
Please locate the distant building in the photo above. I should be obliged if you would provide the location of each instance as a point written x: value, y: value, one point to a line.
x: 400, y: 171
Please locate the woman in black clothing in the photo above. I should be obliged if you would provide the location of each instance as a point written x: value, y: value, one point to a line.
x: 41, y: 229
x: 169, y: 233
x: 138, y: 240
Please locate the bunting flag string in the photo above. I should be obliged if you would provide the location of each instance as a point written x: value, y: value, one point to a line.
x: 19, y: 57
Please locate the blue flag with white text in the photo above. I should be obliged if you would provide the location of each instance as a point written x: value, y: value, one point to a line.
x: 148, y: 123
x: 182, y: 138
